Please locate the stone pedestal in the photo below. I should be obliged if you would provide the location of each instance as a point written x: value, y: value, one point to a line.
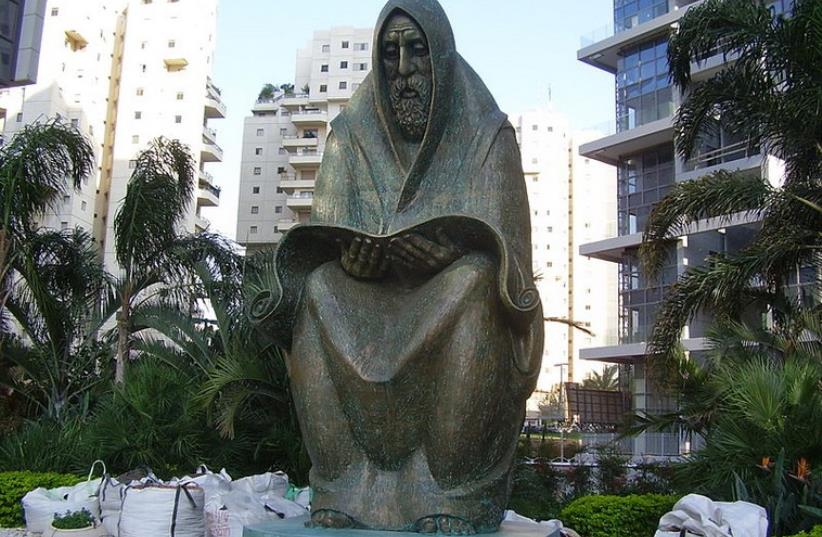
x: 295, y: 527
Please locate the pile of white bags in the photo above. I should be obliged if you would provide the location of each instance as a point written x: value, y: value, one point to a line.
x: 696, y: 515
x: 111, y: 500
x: 40, y: 505
x: 246, y: 501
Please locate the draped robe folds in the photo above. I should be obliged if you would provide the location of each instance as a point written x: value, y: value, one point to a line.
x: 411, y: 390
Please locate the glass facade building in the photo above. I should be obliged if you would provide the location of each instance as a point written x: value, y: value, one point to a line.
x: 643, y: 90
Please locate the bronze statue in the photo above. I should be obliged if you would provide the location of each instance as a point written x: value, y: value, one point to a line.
x: 407, y: 307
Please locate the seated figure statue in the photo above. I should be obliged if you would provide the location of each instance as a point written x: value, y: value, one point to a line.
x: 412, y: 328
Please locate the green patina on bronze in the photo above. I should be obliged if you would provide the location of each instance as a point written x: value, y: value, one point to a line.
x: 410, y: 380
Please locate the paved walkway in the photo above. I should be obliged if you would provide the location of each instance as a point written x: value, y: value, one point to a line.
x: 12, y: 533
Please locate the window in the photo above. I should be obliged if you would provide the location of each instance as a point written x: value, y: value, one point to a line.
x: 258, y: 150
x: 324, y: 68
x: 281, y: 170
x: 323, y: 88
x: 19, y: 117
x: 135, y: 139
x: 587, y: 308
x: 143, y: 68
x: 550, y: 129
x: 534, y: 160
x: 283, y: 131
x: 178, y: 119
x: 362, y: 67
x: 180, y: 95
x: 138, y: 115
x: 344, y: 44
x: 252, y: 230
x: 255, y: 190
x: 146, y: 1
x: 548, y: 264
x: 64, y: 225
x: 282, y: 151
x: 343, y: 65
x: 258, y: 171
x: 326, y: 48
x: 75, y: 123
x: 643, y: 89
x: 255, y: 209
x: 171, y: 43
x: 260, y: 132
x: 83, y: 206
x: 360, y: 46
x: 66, y: 198
x: 143, y: 45
x: 534, y: 127
x: 140, y: 92
x: 280, y: 190
x: 132, y: 164
x: 343, y: 85
x: 55, y: 11
x: 550, y: 229
x: 278, y: 209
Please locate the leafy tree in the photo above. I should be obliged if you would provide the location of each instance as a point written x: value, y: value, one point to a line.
x: 267, y: 93
x: 607, y: 379
x: 60, y: 298
x: 155, y: 259
x: 770, y: 97
x: 37, y: 166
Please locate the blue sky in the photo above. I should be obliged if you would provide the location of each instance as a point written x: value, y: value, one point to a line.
x: 520, y: 48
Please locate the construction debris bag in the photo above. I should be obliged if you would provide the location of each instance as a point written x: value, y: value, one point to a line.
x: 111, y: 500
x: 696, y: 515
x: 40, y: 505
x: 163, y: 510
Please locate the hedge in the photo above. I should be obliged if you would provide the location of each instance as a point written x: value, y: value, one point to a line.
x: 616, y: 516
x: 816, y: 531
x: 15, y: 485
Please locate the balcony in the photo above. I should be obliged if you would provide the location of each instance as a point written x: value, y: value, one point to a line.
x: 306, y: 158
x: 206, y: 179
x: 292, y: 184
x: 310, y: 118
x: 602, y: 48
x: 300, y: 202
x: 738, y: 156
x: 214, y: 107
x: 76, y: 40
x: 200, y: 223
x: 211, y: 153
x: 212, y: 90
x: 611, y: 148
x: 267, y: 105
x: 209, y: 135
x: 285, y: 225
x: 208, y: 196
x: 175, y: 64
x: 295, y: 100
x: 294, y: 142
x: 611, y: 249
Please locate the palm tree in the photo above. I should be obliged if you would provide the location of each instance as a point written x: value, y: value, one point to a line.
x: 245, y: 384
x: 37, y: 166
x: 607, y: 379
x: 155, y: 259
x: 770, y: 96
x: 60, y: 298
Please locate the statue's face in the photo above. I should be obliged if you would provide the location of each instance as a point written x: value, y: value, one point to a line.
x: 407, y: 65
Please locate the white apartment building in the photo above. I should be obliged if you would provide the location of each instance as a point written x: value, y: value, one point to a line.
x: 283, y: 139
x: 125, y: 72
x: 573, y: 201
x: 642, y: 149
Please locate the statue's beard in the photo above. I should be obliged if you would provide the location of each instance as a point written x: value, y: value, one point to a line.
x: 411, y: 112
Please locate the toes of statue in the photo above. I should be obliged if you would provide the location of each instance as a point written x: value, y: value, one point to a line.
x: 327, y: 518
x: 427, y: 525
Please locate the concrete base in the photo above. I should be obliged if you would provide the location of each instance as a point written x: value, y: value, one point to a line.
x: 295, y: 527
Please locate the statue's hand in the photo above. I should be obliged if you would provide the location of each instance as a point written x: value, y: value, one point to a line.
x: 364, y: 258
x: 422, y: 255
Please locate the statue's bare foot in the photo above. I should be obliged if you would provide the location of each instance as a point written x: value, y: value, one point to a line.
x: 328, y: 518
x: 444, y: 524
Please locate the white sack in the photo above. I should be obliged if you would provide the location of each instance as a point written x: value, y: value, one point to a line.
x: 163, y: 511
x: 39, y: 505
x: 111, y: 499
x: 514, y: 520
x: 699, y: 515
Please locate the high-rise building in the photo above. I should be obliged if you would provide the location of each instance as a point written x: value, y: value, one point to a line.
x: 573, y: 201
x: 283, y: 139
x: 641, y: 147
x: 125, y: 72
x: 21, y: 28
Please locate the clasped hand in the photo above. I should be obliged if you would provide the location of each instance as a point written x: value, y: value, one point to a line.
x: 366, y: 258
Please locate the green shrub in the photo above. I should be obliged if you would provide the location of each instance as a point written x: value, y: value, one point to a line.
x: 47, y: 446
x: 816, y: 531
x: 616, y: 516
x: 73, y: 520
x: 15, y: 485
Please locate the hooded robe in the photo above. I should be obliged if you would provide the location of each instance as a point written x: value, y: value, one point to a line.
x: 411, y: 392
